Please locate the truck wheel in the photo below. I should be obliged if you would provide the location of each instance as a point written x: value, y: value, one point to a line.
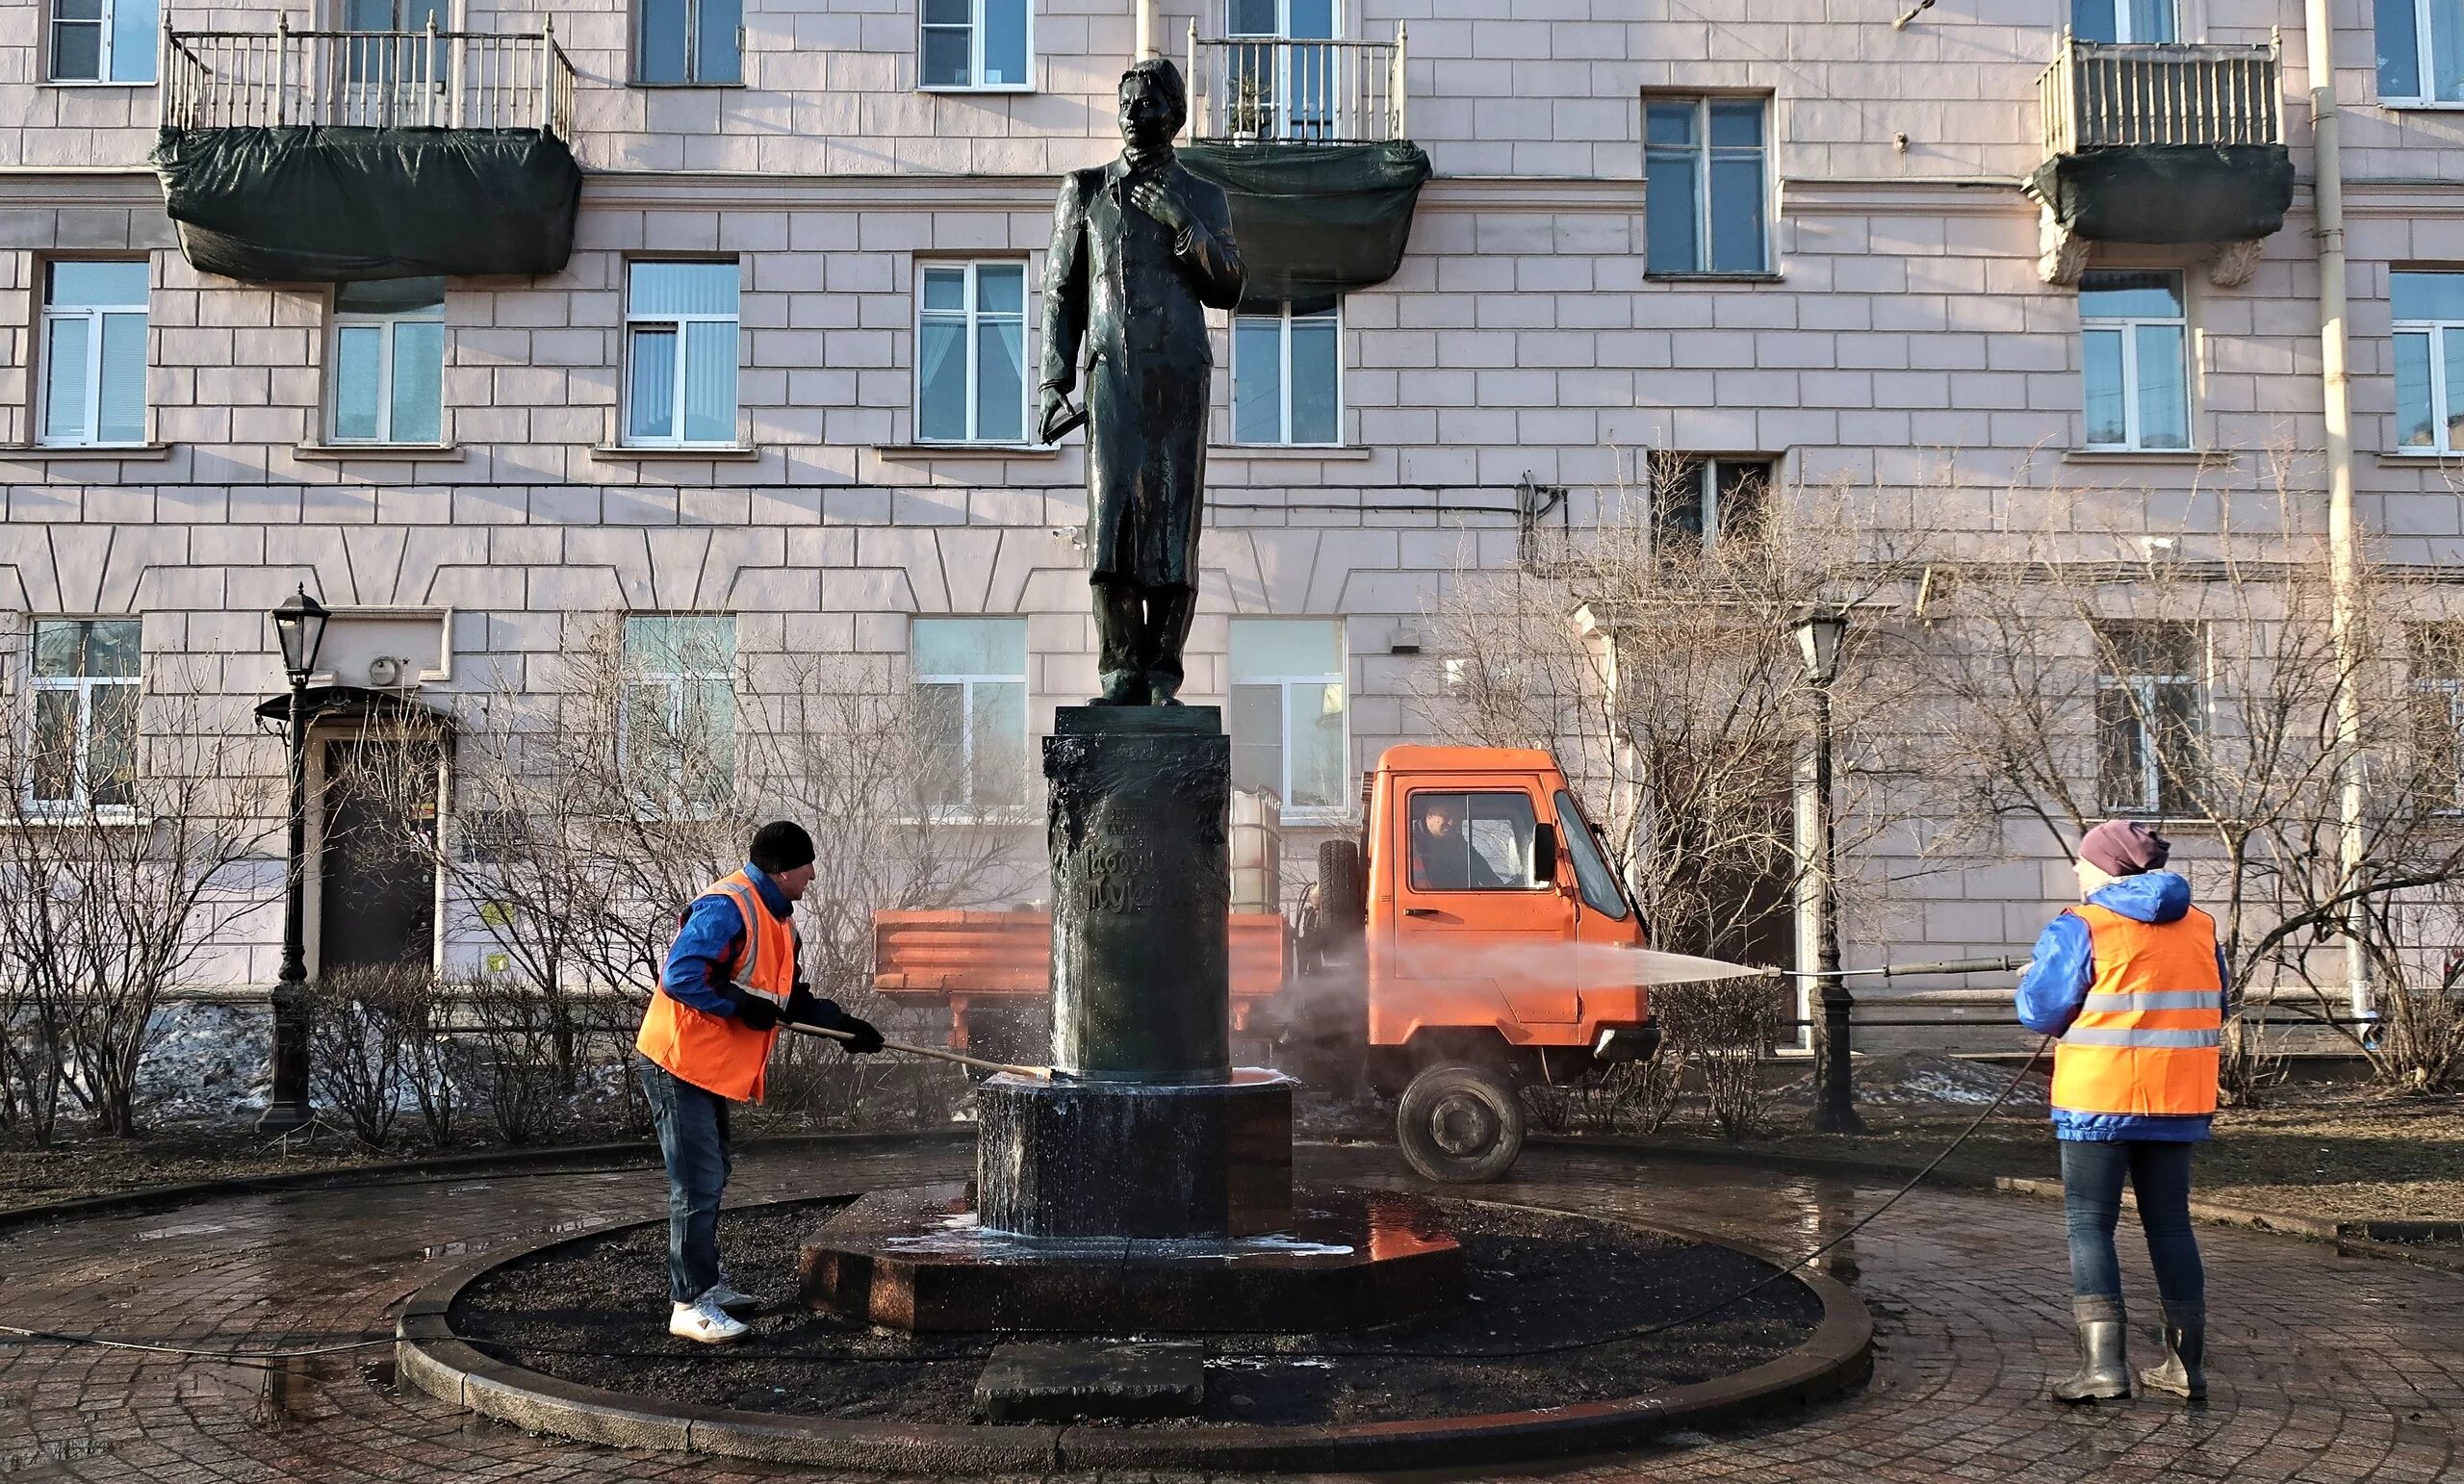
x: 1462, y: 1125
x: 1343, y: 891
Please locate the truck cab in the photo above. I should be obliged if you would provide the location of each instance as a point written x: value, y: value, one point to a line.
x: 1496, y: 939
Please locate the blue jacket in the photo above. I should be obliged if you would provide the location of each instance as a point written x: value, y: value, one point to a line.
x: 2056, y: 984
x: 711, y: 935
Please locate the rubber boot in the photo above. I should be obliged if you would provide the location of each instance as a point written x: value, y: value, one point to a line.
x: 2102, y: 1375
x: 2182, y: 1375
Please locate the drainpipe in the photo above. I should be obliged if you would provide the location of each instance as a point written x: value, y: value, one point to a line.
x: 2343, y: 536
x: 1147, y: 29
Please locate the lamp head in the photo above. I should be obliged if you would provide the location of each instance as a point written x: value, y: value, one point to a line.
x: 299, y: 626
x: 1818, y: 636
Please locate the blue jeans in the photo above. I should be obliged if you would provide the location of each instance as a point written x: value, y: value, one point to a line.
x: 2160, y: 1176
x: 693, y: 1138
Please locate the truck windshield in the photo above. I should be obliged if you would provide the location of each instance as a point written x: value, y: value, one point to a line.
x: 1599, y: 884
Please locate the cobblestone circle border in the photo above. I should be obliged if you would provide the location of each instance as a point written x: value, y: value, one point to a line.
x: 1837, y: 1356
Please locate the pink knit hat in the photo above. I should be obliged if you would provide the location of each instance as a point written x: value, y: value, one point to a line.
x: 2124, y: 847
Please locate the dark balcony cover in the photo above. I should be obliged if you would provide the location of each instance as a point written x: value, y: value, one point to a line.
x: 337, y: 205
x: 1314, y: 221
x: 2168, y: 192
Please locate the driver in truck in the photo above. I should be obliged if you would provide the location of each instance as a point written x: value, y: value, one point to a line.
x: 1443, y: 859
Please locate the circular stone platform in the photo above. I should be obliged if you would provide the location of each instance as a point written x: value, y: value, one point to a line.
x: 557, y: 1337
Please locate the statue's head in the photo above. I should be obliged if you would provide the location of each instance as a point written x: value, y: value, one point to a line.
x: 1154, y: 104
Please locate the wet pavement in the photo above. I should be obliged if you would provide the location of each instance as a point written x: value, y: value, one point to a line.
x: 2321, y: 1367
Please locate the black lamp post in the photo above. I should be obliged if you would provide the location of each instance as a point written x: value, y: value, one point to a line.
x: 299, y: 625
x: 1818, y: 635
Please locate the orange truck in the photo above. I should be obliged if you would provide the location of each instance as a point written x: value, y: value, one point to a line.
x: 1475, y: 938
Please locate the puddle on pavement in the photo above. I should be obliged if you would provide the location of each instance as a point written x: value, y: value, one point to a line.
x: 277, y: 1396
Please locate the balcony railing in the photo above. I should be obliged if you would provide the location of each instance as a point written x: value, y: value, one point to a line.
x: 2100, y: 94
x: 426, y: 79
x: 1270, y: 88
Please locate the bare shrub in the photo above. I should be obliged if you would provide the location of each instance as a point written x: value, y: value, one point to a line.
x: 121, y: 878
x: 1723, y: 1027
x: 369, y: 1028
x: 509, y: 1051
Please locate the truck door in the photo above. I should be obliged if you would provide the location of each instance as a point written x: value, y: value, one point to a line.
x: 1472, y: 925
x: 1606, y: 922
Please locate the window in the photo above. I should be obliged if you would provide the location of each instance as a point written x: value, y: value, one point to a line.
x: 2122, y: 20
x: 689, y: 41
x: 1275, y: 90
x: 1287, y: 377
x: 2135, y: 340
x: 1471, y: 841
x: 679, y: 721
x: 1705, y: 188
x: 2438, y: 715
x: 970, y: 679
x: 971, y: 353
x: 86, y: 682
x: 1699, y: 502
x: 103, y: 41
x: 2147, y: 715
x: 1593, y: 875
x: 2421, y: 51
x: 2430, y: 360
x: 975, y: 44
x: 93, y: 349
x: 1287, y: 695
x: 679, y: 355
x: 388, y: 379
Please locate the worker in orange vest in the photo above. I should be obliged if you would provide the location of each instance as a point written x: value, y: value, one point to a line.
x: 2135, y: 987
x: 731, y: 977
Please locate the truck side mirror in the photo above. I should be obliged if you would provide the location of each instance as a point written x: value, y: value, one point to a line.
x: 1544, y: 854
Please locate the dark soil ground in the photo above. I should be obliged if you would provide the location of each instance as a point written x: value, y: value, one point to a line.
x: 594, y: 1313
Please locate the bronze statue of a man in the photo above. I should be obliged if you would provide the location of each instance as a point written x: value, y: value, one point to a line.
x: 1141, y: 249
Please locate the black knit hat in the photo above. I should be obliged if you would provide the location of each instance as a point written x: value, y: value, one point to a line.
x: 780, y: 846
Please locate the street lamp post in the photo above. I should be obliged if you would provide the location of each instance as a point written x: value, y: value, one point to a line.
x: 1818, y: 635
x: 299, y: 625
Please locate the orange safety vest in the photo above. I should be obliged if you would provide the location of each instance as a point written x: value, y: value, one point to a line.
x: 720, y: 1052
x: 2146, y: 1037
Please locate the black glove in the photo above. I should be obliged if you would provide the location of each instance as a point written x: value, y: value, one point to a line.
x: 759, y: 1012
x: 867, y: 1039
x: 805, y: 1008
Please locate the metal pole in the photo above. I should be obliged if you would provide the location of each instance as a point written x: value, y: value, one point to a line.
x: 1834, y: 1107
x: 2344, y: 560
x: 286, y: 1106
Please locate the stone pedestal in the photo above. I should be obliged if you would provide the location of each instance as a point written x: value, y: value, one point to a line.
x: 1092, y: 1158
x: 1142, y: 978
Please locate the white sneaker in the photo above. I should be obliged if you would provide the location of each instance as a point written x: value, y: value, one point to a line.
x: 727, y: 1296
x: 704, y: 1323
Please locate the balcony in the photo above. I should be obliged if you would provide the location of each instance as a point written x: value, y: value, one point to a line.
x: 1307, y: 139
x: 2161, y: 143
x: 332, y: 156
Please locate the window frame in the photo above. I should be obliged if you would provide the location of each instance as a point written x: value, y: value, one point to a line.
x: 2129, y: 326
x: 2121, y: 23
x: 692, y: 78
x: 634, y: 318
x: 1283, y: 319
x: 2117, y: 644
x: 1467, y: 792
x: 972, y: 317
x: 339, y: 319
x: 91, y: 391
x: 970, y: 806
x: 2425, y: 43
x: 1702, y: 154
x: 2447, y: 439
x: 1284, y: 95
x: 81, y: 804
x: 975, y: 28
x: 2432, y: 669
x: 106, y: 28
x: 678, y: 802
x: 1283, y: 682
x: 1703, y: 471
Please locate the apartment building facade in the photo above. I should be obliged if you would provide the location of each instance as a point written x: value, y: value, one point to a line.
x: 774, y: 397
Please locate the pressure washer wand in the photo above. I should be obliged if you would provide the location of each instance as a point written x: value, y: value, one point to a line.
x: 1946, y: 967
x: 1039, y: 1073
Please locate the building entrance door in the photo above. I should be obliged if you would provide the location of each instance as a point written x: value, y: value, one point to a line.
x: 376, y: 868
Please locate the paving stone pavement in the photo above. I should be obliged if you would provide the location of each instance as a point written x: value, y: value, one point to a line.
x: 2322, y: 1368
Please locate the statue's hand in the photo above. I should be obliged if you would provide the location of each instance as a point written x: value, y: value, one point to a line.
x: 1056, y: 410
x: 1156, y: 199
